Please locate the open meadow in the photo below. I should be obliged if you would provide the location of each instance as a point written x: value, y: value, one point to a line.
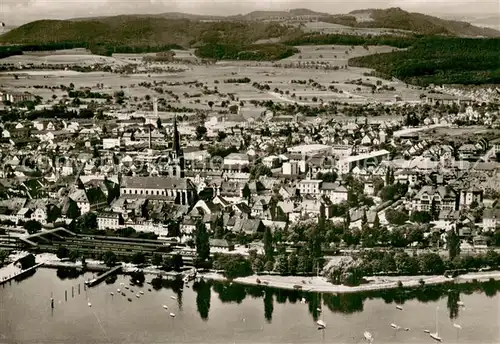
x: 298, y: 79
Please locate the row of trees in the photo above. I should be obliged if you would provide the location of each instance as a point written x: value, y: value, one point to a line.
x: 351, y: 272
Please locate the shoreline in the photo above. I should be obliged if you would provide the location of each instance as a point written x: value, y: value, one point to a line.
x: 299, y: 283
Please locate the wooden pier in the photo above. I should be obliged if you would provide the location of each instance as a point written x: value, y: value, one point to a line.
x: 100, y: 278
x: 20, y: 274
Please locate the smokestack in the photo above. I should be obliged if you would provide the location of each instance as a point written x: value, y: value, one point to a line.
x: 155, y: 107
x: 149, y: 137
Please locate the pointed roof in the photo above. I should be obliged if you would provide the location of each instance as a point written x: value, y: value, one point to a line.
x: 176, y: 145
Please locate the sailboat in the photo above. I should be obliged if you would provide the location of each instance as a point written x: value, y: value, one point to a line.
x: 368, y: 336
x: 435, y: 336
x: 399, y: 307
x: 321, y: 324
x: 393, y: 325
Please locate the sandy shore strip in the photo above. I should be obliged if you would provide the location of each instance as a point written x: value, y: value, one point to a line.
x: 320, y: 284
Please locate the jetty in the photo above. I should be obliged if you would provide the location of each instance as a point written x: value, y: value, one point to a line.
x: 102, y: 277
x: 20, y: 274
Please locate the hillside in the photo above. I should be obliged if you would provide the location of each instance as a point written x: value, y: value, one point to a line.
x: 137, y: 31
x: 396, y: 18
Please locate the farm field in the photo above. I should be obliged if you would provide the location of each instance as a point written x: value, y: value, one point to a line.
x: 331, y: 28
x: 180, y: 84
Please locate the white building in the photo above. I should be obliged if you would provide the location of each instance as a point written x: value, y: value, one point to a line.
x: 290, y: 168
x: 309, y: 186
x: 110, y: 143
x: 345, y: 165
x: 236, y: 159
x: 108, y: 221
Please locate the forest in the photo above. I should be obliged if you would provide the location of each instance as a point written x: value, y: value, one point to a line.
x: 439, y: 60
x: 255, y: 52
x: 342, y: 39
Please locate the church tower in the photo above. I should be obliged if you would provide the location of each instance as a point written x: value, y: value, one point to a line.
x: 177, y: 153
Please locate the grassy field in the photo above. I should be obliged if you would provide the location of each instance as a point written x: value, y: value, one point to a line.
x: 213, y: 76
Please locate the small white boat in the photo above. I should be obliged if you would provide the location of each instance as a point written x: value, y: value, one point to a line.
x: 89, y: 304
x: 435, y: 336
x: 303, y: 300
x: 172, y: 315
x: 461, y: 303
x: 457, y: 326
x: 122, y: 283
x: 165, y: 306
x: 399, y: 307
x: 427, y: 331
x: 407, y: 329
x: 141, y: 292
x: 368, y: 336
x: 395, y: 326
x: 318, y: 309
x: 173, y: 297
x: 118, y: 290
x: 112, y: 293
x: 321, y: 324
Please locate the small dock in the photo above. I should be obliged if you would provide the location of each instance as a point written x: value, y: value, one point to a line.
x: 20, y: 274
x: 102, y: 277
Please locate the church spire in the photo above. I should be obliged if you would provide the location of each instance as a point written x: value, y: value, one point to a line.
x: 176, y: 145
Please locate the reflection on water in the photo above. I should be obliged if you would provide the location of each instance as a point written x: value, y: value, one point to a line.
x: 339, y: 303
x: 232, y: 312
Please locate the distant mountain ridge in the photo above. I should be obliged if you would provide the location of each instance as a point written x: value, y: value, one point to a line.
x: 191, y: 30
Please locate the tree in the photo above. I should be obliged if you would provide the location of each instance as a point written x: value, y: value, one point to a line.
x: 159, y: 125
x: 453, y: 244
x: 421, y: 217
x: 304, y: 263
x: 376, y: 222
x: 492, y: 258
x: 3, y: 256
x: 405, y: 264
x: 396, y: 217
x: 269, y: 266
x: 219, y: 227
x: 201, y: 131
x: 210, y: 104
x: 293, y: 263
x: 74, y: 255
x: 202, y: 242
x: 431, y: 263
x: 246, y: 192
x: 260, y: 170
x: 33, y: 226
x: 62, y: 252
x: 177, y: 262
x: 109, y: 258
x: 258, y: 264
x: 138, y: 258
x: 157, y: 259
x: 268, y: 245
x: 282, y: 264
x: 85, y: 223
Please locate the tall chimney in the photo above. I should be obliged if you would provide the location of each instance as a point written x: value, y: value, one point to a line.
x: 155, y: 107
x: 150, y: 137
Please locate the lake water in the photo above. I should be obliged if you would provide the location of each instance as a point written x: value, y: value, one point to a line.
x: 224, y: 313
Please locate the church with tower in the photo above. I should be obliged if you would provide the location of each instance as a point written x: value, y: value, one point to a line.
x: 171, y: 186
